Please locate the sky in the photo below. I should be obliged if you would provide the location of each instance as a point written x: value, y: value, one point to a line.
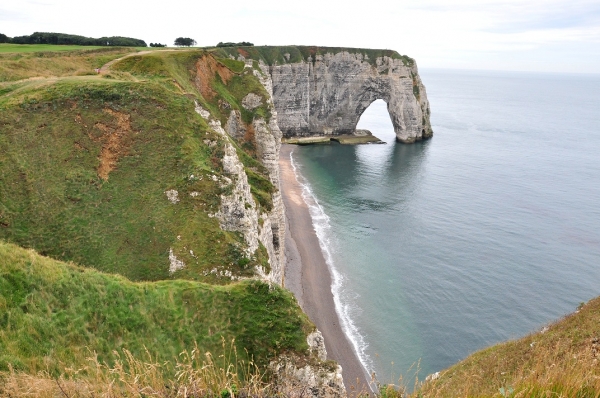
x: 516, y: 35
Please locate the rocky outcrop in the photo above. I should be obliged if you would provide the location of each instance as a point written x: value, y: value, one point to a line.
x: 327, y: 94
x: 238, y: 211
x: 310, y: 376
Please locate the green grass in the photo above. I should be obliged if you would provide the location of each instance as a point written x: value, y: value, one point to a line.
x: 235, y: 66
x: 29, y: 48
x: 276, y: 54
x: 166, y: 67
x: 53, y: 199
x: 53, y: 315
x: 43, y: 63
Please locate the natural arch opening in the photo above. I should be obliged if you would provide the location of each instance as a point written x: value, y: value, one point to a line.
x: 376, y: 119
x: 375, y: 158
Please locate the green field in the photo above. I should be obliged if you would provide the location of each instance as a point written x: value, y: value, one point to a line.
x: 29, y: 48
x: 83, y: 61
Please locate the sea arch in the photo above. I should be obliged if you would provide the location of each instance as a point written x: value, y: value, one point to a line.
x: 326, y: 96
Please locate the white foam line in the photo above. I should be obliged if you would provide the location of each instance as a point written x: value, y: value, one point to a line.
x: 320, y: 222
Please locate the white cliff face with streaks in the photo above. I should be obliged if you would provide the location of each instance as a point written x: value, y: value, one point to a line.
x: 328, y: 94
x: 238, y: 211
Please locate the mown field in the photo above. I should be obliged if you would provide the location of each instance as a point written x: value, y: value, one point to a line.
x: 27, y: 48
x: 44, y: 61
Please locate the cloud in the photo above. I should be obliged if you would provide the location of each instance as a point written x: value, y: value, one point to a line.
x: 461, y: 32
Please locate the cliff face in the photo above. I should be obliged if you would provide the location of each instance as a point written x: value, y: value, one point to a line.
x: 326, y: 94
x: 238, y: 210
x: 320, y: 93
x: 313, y: 92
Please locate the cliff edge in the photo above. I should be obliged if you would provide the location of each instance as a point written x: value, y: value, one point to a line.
x: 323, y: 91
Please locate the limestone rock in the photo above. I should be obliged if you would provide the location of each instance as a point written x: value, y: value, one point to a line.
x: 316, y: 342
x: 251, y: 101
x: 235, y: 126
x: 308, y: 377
x: 238, y: 210
x: 328, y: 96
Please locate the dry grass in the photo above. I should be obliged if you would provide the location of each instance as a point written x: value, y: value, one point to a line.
x: 193, y: 374
x: 18, y: 66
x: 562, y: 360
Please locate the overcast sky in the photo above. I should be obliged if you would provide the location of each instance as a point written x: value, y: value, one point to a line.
x: 525, y: 35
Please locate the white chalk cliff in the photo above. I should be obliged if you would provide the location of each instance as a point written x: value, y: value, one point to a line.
x: 327, y: 94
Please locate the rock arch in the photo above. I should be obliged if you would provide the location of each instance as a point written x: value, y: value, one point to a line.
x: 328, y: 94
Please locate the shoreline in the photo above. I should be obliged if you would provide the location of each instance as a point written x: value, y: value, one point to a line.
x: 308, y: 276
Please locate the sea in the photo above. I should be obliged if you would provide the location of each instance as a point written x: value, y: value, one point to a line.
x: 487, y: 232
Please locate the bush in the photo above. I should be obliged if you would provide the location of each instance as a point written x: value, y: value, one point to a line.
x: 157, y: 45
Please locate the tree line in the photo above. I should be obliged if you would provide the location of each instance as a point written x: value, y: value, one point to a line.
x: 63, y: 38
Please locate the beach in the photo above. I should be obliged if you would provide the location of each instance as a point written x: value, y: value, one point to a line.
x: 308, y: 277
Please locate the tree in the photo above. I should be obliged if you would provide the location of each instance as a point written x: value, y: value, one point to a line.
x: 4, y: 38
x: 184, y: 41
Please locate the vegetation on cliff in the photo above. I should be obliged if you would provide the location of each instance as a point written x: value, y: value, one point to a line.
x: 88, y: 162
x: 288, y: 54
x: 54, y: 316
x: 117, y: 172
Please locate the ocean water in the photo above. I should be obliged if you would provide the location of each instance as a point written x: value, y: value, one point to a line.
x: 486, y: 232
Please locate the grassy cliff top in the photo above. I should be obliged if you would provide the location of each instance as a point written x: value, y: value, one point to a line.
x: 273, y: 55
x: 54, y: 315
x: 561, y: 360
x: 24, y: 61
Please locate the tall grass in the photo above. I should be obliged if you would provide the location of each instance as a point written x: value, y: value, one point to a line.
x: 51, y: 311
x: 192, y: 374
x: 562, y: 360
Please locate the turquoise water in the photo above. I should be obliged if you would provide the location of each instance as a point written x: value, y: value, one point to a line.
x: 486, y: 232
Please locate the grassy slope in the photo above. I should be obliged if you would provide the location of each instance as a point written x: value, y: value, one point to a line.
x: 53, y: 315
x: 181, y: 66
x: 53, y: 198
x: 47, y: 62
x: 561, y: 361
x: 84, y: 168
